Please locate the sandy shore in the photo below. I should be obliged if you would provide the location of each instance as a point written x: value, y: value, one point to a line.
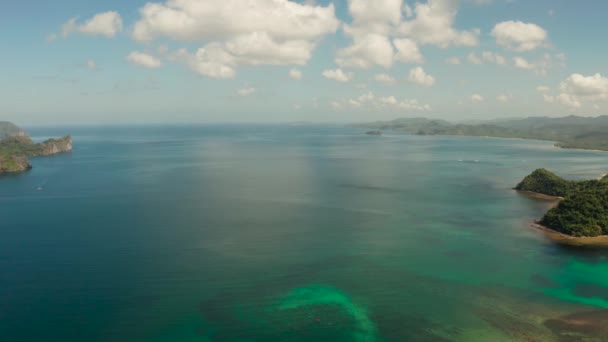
x: 539, y: 195
x: 597, y: 241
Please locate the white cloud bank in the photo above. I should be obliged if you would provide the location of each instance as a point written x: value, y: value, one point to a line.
x: 381, y: 35
x: 578, y: 89
x: 237, y: 32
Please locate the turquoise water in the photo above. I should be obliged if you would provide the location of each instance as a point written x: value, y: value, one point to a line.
x: 278, y: 233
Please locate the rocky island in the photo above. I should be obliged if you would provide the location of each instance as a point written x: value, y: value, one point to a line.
x: 581, y: 216
x: 16, y: 146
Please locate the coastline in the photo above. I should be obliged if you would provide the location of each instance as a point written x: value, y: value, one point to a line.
x: 555, y: 236
x: 556, y: 144
x: 538, y: 195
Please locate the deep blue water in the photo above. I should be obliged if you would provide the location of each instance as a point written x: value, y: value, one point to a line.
x: 279, y: 233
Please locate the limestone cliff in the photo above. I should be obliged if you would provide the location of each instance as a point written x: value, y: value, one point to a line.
x: 16, y: 146
x: 54, y: 146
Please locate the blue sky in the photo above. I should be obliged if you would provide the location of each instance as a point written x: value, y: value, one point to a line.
x: 274, y: 60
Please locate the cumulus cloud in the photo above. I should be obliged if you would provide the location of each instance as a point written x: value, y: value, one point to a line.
x: 476, y: 98
x: 295, y: 74
x: 106, y: 24
x: 381, y: 35
x: 407, y: 51
x: 594, y: 87
x: 519, y: 36
x: 369, y: 101
x: 385, y: 79
x: 419, y: 76
x: 143, y: 59
x: 246, y: 91
x: 578, y: 89
x: 237, y: 32
x: 338, y: 75
x: 366, y: 51
x: 433, y: 24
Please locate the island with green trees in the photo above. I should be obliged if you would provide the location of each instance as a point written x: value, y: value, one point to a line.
x: 16, y: 147
x: 566, y: 132
x: 582, y: 211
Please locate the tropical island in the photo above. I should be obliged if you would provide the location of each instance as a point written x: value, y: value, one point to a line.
x: 16, y: 147
x: 582, y: 211
x: 567, y: 132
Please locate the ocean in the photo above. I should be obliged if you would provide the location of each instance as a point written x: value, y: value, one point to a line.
x: 291, y: 233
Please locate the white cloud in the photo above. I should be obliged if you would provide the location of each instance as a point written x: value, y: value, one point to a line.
x: 295, y: 74
x: 541, y: 66
x: 593, y: 87
x: 193, y: 20
x: 472, y: 57
x: 419, y: 76
x: 504, y: 98
x: 453, y: 61
x: 542, y: 89
x: 564, y: 99
x: 487, y: 56
x: 238, y: 32
x: 91, y: 65
x: 338, y: 75
x: 522, y: 63
x: 519, y: 36
x: 578, y: 89
x: 476, y: 98
x: 366, y: 51
x: 144, y: 60
x: 365, y: 12
x: 385, y: 79
x: 433, y: 24
x: 246, y: 91
x: 106, y: 24
x: 493, y: 58
x: 407, y: 51
x: 369, y: 101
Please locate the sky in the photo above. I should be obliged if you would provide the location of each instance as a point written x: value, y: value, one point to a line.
x: 182, y: 61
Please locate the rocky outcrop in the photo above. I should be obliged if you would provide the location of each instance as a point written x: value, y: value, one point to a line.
x: 16, y: 146
x: 54, y: 146
x: 14, y: 164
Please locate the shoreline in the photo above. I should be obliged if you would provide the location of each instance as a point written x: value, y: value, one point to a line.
x: 556, y: 144
x: 538, y: 195
x: 586, y: 241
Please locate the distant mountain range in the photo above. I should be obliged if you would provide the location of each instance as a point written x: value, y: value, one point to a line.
x: 568, y: 132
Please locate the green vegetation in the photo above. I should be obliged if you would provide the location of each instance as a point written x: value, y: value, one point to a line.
x: 16, y: 147
x: 568, y: 132
x: 584, y: 209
